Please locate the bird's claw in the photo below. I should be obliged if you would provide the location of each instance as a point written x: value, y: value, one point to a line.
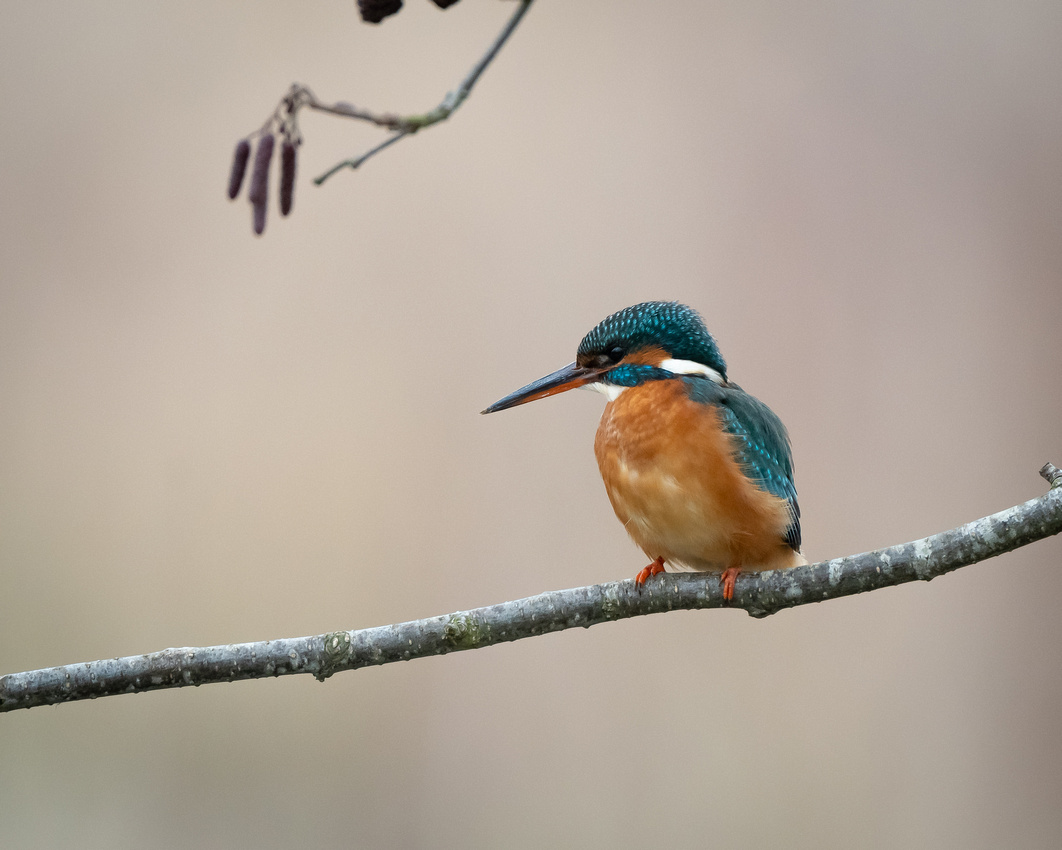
x: 649, y: 571
x: 727, y: 579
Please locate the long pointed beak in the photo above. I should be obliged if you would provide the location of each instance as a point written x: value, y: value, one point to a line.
x: 568, y: 378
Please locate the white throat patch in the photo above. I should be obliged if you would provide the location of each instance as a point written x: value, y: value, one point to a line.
x: 609, y: 391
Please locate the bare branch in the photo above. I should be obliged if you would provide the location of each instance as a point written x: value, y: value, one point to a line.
x: 409, y: 124
x: 760, y: 594
x: 284, y: 122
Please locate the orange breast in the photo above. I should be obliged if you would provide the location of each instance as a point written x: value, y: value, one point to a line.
x: 670, y: 473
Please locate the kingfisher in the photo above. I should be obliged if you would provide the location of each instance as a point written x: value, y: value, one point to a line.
x: 699, y: 472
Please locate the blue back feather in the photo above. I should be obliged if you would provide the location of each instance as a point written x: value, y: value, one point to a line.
x: 762, y: 441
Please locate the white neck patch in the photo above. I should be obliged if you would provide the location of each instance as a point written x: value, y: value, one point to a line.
x: 675, y: 367
x: 689, y: 367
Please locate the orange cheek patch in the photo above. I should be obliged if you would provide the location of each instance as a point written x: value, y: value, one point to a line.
x: 652, y: 356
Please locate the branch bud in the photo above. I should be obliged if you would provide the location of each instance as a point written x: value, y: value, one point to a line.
x: 374, y: 11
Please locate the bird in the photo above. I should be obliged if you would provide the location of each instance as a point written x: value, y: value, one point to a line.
x: 699, y: 472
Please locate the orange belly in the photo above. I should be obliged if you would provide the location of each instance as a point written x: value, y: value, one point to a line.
x: 670, y: 473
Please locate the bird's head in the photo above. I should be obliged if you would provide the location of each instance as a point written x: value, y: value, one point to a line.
x: 649, y: 341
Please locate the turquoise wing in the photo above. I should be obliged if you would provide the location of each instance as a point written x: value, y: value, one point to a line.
x: 763, y: 443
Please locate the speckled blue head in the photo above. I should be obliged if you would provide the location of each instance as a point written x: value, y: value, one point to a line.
x: 673, y: 327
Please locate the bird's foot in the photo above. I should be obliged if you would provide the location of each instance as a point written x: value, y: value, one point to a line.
x: 648, y: 572
x: 727, y: 579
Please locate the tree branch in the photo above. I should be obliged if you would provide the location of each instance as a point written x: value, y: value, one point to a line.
x: 409, y: 124
x: 284, y: 122
x: 760, y: 594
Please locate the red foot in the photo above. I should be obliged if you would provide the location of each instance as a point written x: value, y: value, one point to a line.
x: 728, y: 578
x: 648, y: 572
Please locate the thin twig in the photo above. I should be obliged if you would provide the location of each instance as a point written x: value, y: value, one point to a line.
x: 760, y: 594
x: 354, y: 163
x: 409, y: 124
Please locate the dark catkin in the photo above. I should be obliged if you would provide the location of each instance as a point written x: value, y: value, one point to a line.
x: 258, y: 191
x: 239, y: 167
x: 287, y: 176
x: 259, y: 188
x: 258, y: 212
x: 374, y: 11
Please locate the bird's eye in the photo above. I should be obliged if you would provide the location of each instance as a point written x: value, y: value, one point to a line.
x: 605, y: 359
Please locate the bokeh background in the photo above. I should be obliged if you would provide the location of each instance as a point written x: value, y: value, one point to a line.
x: 209, y: 438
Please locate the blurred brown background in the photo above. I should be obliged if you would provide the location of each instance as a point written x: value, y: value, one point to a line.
x: 208, y: 438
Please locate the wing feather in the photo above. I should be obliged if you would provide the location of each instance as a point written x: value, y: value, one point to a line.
x: 763, y: 447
